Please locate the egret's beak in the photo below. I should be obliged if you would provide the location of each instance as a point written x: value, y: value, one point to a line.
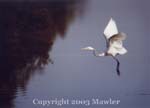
x: 84, y: 49
x: 87, y: 49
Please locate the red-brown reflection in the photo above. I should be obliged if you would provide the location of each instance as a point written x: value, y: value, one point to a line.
x: 27, y: 33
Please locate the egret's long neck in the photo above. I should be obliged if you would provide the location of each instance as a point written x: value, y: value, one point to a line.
x: 98, y: 54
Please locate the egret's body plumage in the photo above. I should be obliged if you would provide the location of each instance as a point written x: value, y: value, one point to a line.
x: 113, y: 41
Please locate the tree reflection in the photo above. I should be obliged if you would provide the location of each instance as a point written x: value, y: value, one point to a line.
x: 27, y: 33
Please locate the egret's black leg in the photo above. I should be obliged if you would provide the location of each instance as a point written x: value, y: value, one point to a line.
x: 117, y: 68
x: 118, y: 65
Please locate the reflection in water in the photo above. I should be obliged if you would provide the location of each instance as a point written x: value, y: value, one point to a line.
x: 27, y: 33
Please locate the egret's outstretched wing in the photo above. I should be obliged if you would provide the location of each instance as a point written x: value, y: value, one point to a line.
x: 111, y: 29
x: 120, y: 36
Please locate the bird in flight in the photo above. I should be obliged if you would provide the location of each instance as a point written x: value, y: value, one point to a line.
x: 114, y: 43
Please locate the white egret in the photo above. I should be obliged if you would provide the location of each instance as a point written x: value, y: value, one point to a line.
x: 113, y: 41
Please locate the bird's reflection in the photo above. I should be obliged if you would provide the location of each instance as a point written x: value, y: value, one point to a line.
x: 27, y: 33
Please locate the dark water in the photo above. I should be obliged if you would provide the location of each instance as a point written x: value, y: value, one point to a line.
x: 40, y: 55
